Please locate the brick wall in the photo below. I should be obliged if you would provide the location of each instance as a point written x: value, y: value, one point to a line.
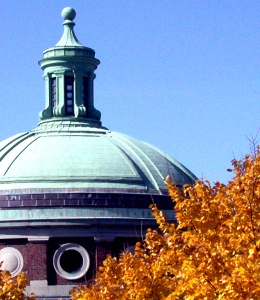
x: 34, y: 258
x: 38, y: 257
x: 102, y: 250
x: 37, y: 261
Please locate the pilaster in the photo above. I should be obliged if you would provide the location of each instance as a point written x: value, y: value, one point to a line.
x: 37, y: 270
x: 103, y: 249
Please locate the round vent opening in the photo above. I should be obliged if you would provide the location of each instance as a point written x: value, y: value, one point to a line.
x: 71, y: 261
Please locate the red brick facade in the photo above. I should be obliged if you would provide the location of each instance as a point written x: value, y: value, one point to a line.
x: 37, y: 261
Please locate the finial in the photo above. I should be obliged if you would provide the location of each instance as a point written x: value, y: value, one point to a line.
x: 68, y: 13
x: 68, y: 38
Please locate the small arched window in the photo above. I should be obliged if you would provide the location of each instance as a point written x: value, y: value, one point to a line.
x: 53, y: 92
x: 69, y: 95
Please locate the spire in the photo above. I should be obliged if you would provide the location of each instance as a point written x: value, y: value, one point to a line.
x: 69, y: 78
x: 68, y: 38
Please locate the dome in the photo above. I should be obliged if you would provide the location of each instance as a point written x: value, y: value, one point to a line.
x: 70, y: 155
x: 71, y: 190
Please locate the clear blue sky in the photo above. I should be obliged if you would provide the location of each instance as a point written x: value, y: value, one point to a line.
x: 181, y: 75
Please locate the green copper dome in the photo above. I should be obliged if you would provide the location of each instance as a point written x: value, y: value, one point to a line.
x: 70, y: 150
x: 84, y: 158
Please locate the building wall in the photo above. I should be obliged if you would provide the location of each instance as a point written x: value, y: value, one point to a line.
x: 38, y: 256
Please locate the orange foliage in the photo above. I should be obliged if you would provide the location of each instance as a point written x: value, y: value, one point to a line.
x: 11, y: 289
x: 213, y: 252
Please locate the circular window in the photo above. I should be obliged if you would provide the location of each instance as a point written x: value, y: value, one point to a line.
x: 12, y: 260
x: 71, y: 261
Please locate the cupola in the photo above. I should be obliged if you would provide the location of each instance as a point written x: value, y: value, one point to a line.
x: 69, y: 74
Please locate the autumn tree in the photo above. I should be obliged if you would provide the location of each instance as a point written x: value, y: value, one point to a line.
x: 212, y: 253
x: 13, y: 289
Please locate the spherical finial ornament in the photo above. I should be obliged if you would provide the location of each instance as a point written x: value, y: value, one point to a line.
x: 68, y: 13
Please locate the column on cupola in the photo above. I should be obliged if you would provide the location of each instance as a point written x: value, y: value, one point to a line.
x: 91, y: 108
x: 58, y: 110
x: 80, y: 109
x: 53, y: 107
x: 47, y: 111
x: 92, y: 112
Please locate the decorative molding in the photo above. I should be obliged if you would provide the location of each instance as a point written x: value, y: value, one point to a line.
x: 38, y: 283
x: 80, y: 111
x: 38, y: 239
x: 76, y: 274
x: 12, y: 260
x: 107, y: 239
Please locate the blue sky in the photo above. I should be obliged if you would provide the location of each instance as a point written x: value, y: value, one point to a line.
x: 181, y: 75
